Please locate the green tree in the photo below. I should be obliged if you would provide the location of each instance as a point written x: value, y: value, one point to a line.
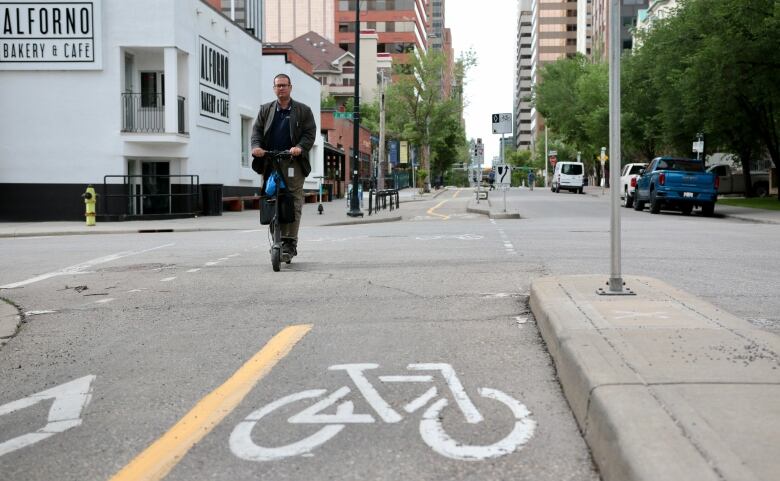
x: 573, y: 98
x: 711, y: 68
x: 416, y: 110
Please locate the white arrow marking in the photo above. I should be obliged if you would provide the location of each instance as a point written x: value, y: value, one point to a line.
x: 70, y: 399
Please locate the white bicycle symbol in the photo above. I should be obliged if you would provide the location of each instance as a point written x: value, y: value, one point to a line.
x: 431, y: 429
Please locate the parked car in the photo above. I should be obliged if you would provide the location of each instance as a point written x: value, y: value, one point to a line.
x: 733, y: 181
x: 628, y: 178
x: 568, y: 176
x: 672, y: 183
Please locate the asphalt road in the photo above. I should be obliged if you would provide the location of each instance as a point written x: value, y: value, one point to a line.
x: 388, y: 313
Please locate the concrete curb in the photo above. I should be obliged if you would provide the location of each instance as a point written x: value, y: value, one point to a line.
x: 376, y: 220
x: 121, y: 231
x: 492, y: 215
x: 653, y: 383
x: 9, y: 320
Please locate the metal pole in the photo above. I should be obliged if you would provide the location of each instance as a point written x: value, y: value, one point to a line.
x: 381, y: 185
x: 545, y: 155
x: 615, y: 46
x: 504, y: 164
x: 427, y: 187
x: 354, y: 205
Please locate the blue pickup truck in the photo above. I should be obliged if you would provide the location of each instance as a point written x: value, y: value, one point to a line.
x: 672, y: 183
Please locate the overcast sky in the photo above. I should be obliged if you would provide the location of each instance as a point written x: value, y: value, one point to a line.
x: 489, y: 28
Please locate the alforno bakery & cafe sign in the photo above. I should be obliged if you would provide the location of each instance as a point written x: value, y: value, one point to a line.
x: 50, y: 35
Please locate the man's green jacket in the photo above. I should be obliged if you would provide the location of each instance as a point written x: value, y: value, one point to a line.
x: 303, y: 131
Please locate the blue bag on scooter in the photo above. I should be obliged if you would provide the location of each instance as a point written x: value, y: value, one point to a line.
x: 274, y: 181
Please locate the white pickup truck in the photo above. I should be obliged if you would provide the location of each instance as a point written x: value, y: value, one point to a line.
x: 628, y: 177
x: 733, y: 182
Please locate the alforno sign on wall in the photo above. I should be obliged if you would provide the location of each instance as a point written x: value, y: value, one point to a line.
x: 214, y: 86
x: 51, y: 35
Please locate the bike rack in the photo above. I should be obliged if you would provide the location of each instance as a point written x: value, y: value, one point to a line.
x: 378, y: 200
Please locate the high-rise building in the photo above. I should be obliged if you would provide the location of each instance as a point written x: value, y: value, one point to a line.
x: 628, y: 18
x: 289, y: 19
x: 436, y: 35
x: 557, y: 24
x: 246, y: 13
x: 401, y: 25
x: 548, y: 30
x: 524, y: 112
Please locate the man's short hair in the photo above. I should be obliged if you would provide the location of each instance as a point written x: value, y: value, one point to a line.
x: 283, y: 75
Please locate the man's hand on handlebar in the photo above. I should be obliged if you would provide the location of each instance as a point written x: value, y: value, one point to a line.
x: 260, y: 152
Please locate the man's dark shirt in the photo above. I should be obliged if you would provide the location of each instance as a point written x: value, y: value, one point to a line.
x: 280, y: 129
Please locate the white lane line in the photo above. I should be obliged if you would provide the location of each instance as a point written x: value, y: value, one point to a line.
x: 233, y: 255
x: 138, y: 290
x: 194, y: 270
x: 76, y: 269
x: 223, y: 259
x: 104, y: 301
x: 212, y: 263
x: 253, y: 230
x: 168, y: 279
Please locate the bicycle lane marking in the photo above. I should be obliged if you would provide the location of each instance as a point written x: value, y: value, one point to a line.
x: 431, y: 428
x: 156, y: 461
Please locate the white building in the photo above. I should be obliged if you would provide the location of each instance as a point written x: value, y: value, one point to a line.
x: 103, y: 88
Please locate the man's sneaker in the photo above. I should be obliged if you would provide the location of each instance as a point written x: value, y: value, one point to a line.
x: 288, y: 251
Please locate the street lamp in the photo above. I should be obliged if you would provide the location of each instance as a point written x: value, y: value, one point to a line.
x: 354, y: 204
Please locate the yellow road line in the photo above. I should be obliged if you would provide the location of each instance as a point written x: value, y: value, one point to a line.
x: 457, y: 193
x: 156, y: 461
x: 432, y: 209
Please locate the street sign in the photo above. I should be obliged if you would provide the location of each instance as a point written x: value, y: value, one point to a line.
x: 503, y: 175
x: 502, y: 123
x: 343, y: 115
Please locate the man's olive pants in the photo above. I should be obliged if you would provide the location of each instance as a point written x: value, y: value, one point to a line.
x: 295, y: 186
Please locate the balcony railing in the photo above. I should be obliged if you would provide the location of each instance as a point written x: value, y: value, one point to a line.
x: 145, y: 113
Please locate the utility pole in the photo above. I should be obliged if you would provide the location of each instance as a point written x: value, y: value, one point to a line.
x: 381, y: 180
x: 546, y: 155
x: 354, y: 204
x: 615, y: 47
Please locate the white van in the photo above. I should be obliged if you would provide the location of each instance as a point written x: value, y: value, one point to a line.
x: 568, y: 176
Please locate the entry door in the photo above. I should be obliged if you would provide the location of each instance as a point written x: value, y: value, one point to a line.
x: 156, y: 187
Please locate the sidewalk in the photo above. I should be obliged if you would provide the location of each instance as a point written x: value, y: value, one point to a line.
x: 664, y: 386
x: 334, y: 213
